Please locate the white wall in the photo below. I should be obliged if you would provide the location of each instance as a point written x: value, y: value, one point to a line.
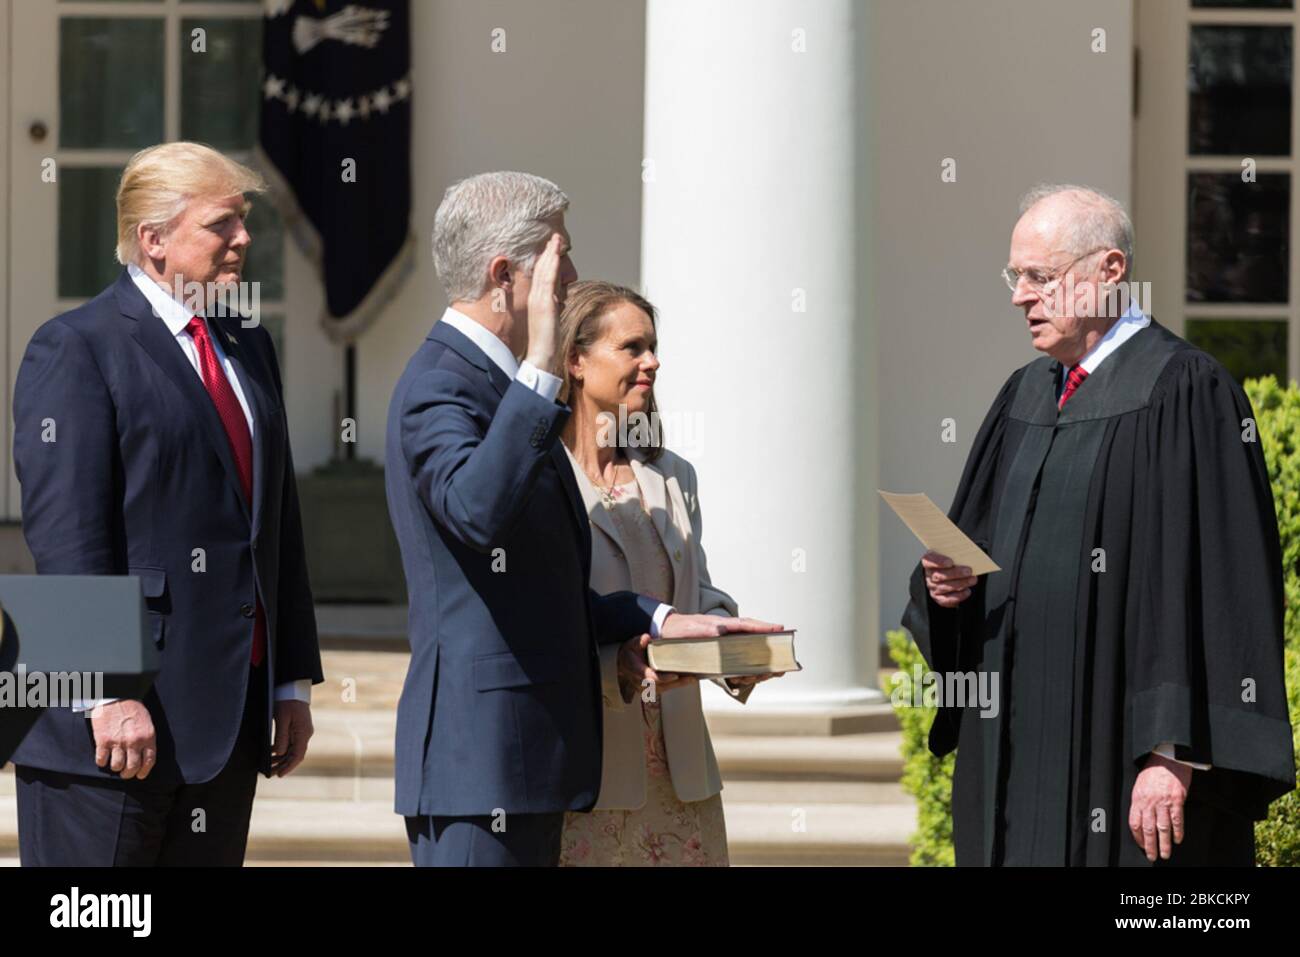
x: 564, y: 101
x: 1012, y: 92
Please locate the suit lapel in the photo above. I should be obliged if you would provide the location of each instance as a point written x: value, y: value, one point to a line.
x: 654, y: 488
x: 560, y: 462
x: 259, y: 404
x: 156, y: 339
x: 589, y: 496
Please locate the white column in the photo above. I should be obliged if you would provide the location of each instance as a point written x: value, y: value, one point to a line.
x: 754, y: 250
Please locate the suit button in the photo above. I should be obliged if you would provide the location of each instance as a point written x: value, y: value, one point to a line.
x: 246, y: 609
x: 678, y: 554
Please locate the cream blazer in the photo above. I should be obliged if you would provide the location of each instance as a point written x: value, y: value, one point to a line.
x: 668, y: 489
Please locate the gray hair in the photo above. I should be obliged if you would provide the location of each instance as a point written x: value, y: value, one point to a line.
x: 490, y: 215
x: 1101, y: 220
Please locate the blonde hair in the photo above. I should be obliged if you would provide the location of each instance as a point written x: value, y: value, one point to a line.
x: 159, y: 182
x: 582, y: 322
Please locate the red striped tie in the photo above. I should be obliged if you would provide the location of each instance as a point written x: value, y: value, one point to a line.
x: 1072, y: 381
x: 241, y: 442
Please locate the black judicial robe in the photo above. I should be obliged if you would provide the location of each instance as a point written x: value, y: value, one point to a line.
x: 1178, y: 639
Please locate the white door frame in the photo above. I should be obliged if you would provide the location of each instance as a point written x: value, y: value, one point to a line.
x: 1162, y: 165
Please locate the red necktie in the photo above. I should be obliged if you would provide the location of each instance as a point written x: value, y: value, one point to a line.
x: 241, y: 442
x: 1072, y: 381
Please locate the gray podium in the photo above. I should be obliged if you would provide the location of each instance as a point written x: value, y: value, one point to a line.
x: 91, y: 625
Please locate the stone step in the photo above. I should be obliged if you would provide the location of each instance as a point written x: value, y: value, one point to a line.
x: 797, y: 830
x: 805, y: 723
x: 362, y: 627
x: 820, y: 834
x: 359, y: 744
x: 862, y: 757
x: 301, y: 786
x: 360, y: 679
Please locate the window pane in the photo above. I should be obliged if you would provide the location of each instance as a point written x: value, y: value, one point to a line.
x: 1238, y: 237
x: 1248, y: 348
x: 110, y: 83
x: 1239, y: 90
x: 220, y: 87
x: 87, y: 230
x: 265, y: 263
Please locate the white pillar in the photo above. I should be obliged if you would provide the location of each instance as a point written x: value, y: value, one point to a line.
x: 754, y: 250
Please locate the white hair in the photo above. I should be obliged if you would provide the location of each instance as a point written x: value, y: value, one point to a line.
x: 1101, y: 220
x: 490, y: 215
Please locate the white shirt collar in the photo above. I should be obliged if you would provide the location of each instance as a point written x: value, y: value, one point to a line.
x: 1132, y: 322
x: 492, y: 347
x: 171, y: 312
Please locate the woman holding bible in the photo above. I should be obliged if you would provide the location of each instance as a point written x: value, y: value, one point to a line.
x: 660, y: 797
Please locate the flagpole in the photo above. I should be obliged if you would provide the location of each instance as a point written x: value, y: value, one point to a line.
x: 350, y: 395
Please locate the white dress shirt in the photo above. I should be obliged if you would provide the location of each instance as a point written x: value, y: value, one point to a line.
x: 1130, y: 324
x: 177, y: 317
x: 543, y: 383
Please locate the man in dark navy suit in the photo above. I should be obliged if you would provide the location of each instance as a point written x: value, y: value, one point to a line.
x: 499, y: 724
x: 152, y: 441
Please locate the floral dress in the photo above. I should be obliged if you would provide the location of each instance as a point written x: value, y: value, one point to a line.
x: 665, y: 831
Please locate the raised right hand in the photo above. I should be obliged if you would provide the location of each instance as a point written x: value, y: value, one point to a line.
x: 543, y: 307
x: 948, y: 586
x: 124, y: 738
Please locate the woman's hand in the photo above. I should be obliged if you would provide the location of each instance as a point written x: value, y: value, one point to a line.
x: 634, y: 666
x: 753, y: 679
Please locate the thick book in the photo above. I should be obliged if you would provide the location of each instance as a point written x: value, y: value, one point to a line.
x: 728, y: 656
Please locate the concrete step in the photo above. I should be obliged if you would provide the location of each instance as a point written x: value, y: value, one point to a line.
x: 861, y: 757
x: 820, y: 723
x: 361, y: 679
x: 362, y: 627
x: 808, y: 828
x: 361, y: 832
x: 358, y: 743
x: 819, y: 834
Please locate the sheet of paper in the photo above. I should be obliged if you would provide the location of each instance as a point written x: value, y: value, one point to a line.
x: 937, y: 533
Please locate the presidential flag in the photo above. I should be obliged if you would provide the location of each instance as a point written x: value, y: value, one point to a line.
x: 336, y: 145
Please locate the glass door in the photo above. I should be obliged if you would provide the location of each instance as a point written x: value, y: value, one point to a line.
x: 1216, y: 203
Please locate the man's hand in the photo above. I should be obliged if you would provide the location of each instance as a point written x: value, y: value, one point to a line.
x: 677, y: 625
x: 1156, y: 811
x: 543, y: 307
x: 634, y: 666
x: 293, y: 730
x: 124, y: 738
x: 948, y: 586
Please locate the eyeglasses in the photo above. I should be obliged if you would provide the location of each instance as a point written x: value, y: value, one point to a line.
x: 1039, y: 279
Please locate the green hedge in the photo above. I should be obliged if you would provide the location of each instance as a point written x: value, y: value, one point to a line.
x: 1277, y: 838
